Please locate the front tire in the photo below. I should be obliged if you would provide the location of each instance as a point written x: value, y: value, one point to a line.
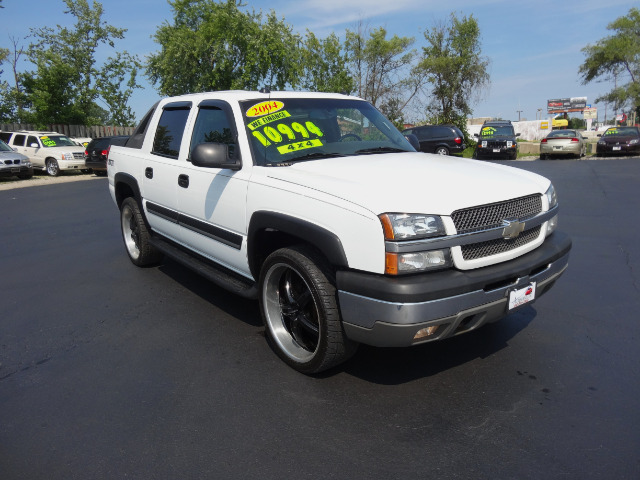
x: 300, y: 310
x: 52, y: 167
x: 136, y: 236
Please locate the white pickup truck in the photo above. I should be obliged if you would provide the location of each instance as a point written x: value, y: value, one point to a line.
x: 316, y: 206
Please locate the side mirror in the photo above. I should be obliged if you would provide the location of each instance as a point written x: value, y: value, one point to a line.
x: 34, y: 145
x: 517, y: 134
x: 475, y: 134
x: 413, y: 140
x: 214, y: 155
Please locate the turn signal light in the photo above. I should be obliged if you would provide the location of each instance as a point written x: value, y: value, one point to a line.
x: 426, y: 332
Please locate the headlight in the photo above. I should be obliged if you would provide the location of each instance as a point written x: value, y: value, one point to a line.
x: 405, y: 226
x: 601, y: 142
x: 67, y: 156
x: 634, y: 141
x: 552, y: 198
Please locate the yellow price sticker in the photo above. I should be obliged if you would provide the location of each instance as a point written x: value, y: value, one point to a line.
x: 264, y: 108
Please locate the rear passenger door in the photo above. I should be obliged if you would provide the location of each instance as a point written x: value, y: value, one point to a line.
x: 212, y: 200
x: 161, y: 170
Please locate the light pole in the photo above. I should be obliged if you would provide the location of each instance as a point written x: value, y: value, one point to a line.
x: 519, y: 112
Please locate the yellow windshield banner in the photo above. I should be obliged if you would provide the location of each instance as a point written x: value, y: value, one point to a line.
x: 268, y: 119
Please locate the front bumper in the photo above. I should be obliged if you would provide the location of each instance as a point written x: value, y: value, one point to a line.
x: 71, y: 164
x: 388, y: 312
x: 618, y: 149
x: 15, y: 170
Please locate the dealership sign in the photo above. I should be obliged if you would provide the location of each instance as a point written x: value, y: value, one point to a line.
x: 573, y: 104
x: 590, y: 112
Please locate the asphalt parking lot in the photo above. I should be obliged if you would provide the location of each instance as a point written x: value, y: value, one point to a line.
x: 111, y: 371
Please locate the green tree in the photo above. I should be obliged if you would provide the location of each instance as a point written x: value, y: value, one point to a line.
x: 617, y: 57
x: 73, y: 52
x: 324, y: 65
x: 453, y: 65
x: 382, y: 70
x: 217, y: 46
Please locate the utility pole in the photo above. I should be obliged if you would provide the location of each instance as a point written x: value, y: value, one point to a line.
x: 519, y: 112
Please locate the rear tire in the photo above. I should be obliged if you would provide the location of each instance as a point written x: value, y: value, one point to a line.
x: 300, y: 310
x: 442, y: 151
x: 136, y: 235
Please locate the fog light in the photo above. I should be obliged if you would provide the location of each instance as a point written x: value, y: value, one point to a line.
x: 426, y: 332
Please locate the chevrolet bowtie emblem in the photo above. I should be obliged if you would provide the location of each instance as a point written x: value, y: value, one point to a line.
x: 512, y: 229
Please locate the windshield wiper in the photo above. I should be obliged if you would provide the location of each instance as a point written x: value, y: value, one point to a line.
x: 314, y: 156
x: 381, y: 150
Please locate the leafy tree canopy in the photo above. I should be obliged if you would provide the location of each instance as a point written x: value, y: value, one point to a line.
x: 453, y: 65
x: 617, y: 56
x: 68, y: 80
x: 218, y: 46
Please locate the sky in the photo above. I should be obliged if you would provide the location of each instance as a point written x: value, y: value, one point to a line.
x: 534, y: 48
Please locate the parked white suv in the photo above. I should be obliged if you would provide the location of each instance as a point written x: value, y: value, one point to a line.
x: 48, y: 151
x: 319, y: 208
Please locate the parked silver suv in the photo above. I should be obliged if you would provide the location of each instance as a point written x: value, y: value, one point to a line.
x: 50, y: 151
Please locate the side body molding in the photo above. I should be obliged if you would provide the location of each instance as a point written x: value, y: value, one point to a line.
x: 263, y: 222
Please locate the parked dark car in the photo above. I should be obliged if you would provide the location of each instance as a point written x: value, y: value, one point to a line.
x: 440, y: 139
x: 96, y: 153
x: 14, y: 164
x: 619, y: 141
x: 497, y: 139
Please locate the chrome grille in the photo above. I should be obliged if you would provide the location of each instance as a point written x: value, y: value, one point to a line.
x: 492, y: 215
x: 499, y: 245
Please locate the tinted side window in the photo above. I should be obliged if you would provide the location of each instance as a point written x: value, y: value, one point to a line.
x: 442, y: 132
x: 5, y: 136
x: 31, y: 140
x: 213, y: 126
x: 422, y: 133
x: 18, y: 140
x: 169, y: 132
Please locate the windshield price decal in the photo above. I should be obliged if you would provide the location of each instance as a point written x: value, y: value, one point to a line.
x: 488, y: 131
x: 295, y: 132
x: 264, y: 108
x: 611, y: 131
x: 294, y: 147
x: 47, y: 142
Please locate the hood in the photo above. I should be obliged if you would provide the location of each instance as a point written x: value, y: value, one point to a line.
x: 12, y: 156
x: 409, y: 182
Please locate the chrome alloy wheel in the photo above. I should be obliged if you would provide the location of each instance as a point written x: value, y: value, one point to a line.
x: 130, y: 232
x: 291, y: 312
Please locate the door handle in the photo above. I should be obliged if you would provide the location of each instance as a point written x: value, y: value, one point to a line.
x: 148, y: 172
x: 183, y: 180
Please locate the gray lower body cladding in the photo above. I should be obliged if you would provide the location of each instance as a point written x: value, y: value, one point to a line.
x: 383, y: 311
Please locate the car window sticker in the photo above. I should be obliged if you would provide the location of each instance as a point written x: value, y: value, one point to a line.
x: 275, y: 127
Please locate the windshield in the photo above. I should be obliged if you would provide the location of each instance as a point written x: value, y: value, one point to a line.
x: 621, y: 131
x: 288, y: 130
x: 496, y: 131
x: 57, y: 141
x: 4, y: 147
